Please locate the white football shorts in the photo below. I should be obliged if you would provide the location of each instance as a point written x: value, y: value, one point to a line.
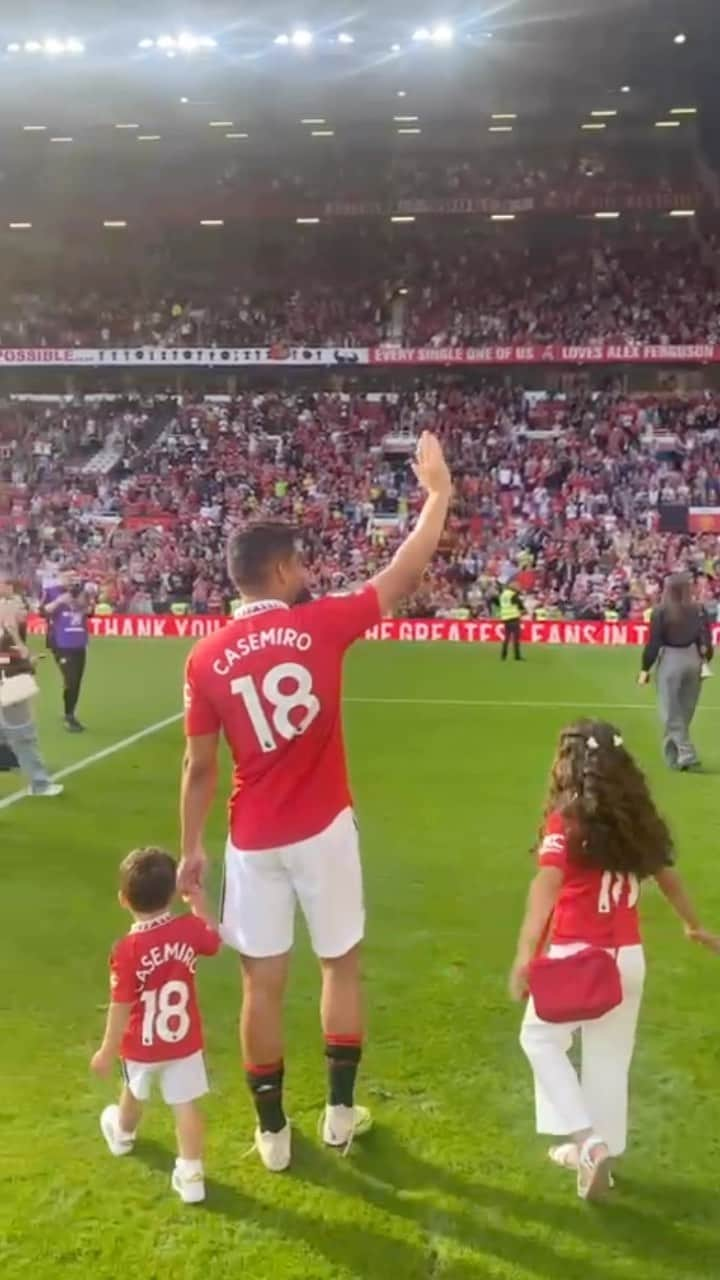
x: 323, y: 874
x: 182, y: 1080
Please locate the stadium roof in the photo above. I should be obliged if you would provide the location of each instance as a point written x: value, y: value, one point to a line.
x: 450, y: 61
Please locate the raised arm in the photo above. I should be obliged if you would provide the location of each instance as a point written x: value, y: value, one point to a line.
x: 405, y: 571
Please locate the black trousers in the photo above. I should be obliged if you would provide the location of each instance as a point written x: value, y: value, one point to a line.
x: 512, y: 636
x: 72, y: 668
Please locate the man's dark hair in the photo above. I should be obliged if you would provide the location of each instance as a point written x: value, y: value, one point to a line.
x: 147, y: 879
x: 252, y: 551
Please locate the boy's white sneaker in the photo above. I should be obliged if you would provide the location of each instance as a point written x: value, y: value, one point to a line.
x: 189, y: 1186
x: 274, y: 1149
x: 341, y: 1125
x: 119, y: 1144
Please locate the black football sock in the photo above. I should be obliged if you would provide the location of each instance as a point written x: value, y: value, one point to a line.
x: 266, y: 1084
x: 343, y: 1054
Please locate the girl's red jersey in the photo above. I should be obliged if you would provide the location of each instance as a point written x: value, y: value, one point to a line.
x: 595, y: 906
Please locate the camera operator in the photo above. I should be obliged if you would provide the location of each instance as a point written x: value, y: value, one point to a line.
x: 18, y: 735
x: 66, y: 607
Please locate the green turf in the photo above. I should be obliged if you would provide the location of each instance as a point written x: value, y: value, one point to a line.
x: 453, y: 1183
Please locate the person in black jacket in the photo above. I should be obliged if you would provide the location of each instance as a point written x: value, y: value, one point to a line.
x: 680, y: 642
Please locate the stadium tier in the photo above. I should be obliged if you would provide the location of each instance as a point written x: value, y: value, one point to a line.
x: 570, y: 493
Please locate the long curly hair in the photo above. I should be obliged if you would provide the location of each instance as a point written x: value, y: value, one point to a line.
x: 611, y: 818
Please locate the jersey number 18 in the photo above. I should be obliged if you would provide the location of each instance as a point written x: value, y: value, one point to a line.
x: 301, y: 696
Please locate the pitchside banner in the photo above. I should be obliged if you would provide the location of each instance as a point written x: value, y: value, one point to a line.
x: 343, y: 357
x: 411, y: 630
x: 205, y: 357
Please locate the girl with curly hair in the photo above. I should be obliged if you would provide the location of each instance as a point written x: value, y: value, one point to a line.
x: 601, y: 838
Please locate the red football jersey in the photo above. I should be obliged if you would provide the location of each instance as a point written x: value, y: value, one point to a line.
x: 153, y: 969
x: 272, y: 681
x: 595, y: 906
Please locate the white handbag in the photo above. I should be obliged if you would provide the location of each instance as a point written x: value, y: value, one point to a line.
x: 14, y: 689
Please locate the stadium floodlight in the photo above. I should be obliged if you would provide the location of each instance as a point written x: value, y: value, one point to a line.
x: 406, y: 119
x: 212, y: 222
x: 307, y: 222
x: 504, y: 115
x: 61, y: 139
x: 146, y: 43
x: 624, y: 88
x: 166, y: 42
x: 14, y: 47
x: 597, y: 125
x: 237, y: 135
x: 53, y: 46
x: 345, y: 38
x: 73, y: 45
x: 322, y: 133
x: 502, y: 217
x: 34, y: 128
x: 221, y: 124
x: 313, y: 120
x: 395, y: 48
x: 500, y: 128
x: 114, y: 223
x: 207, y: 42
x: 606, y: 215
x: 148, y: 137
x: 422, y: 35
x: 680, y: 38
x: 412, y: 129
x: 667, y: 124
x: 599, y: 114
x: 683, y: 111
x: 127, y: 126
x: 302, y: 38
x: 442, y: 34
x: 682, y: 213
x: 20, y: 226
x: 33, y: 46
x: 401, y: 93
x: 402, y: 217
x: 283, y: 39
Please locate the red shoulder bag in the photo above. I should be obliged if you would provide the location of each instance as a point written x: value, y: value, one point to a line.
x: 576, y: 988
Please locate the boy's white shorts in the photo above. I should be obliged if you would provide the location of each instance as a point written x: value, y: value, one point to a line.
x: 182, y: 1080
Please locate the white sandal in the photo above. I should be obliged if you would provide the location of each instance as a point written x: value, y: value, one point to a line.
x: 566, y: 1155
x: 594, y: 1176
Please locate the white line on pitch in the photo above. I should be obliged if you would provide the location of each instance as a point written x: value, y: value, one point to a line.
x: 97, y: 756
x: 506, y: 702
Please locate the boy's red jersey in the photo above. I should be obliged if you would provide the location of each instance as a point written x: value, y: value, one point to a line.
x: 153, y: 969
x: 272, y: 682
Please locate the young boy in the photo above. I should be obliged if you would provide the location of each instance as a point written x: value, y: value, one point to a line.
x: 153, y: 1022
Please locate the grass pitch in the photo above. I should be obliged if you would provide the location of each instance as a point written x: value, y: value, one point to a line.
x: 449, y: 754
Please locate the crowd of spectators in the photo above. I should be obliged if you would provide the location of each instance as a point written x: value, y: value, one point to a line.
x: 359, y: 286
x: 563, y: 494
x: 272, y: 179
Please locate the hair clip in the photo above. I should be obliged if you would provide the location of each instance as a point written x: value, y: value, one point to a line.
x: 617, y: 740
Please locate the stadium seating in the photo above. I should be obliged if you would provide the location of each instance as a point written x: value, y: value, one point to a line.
x: 567, y: 491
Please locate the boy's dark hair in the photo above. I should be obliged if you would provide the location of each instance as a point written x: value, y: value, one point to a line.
x: 147, y: 879
x: 612, y: 822
x: 252, y: 551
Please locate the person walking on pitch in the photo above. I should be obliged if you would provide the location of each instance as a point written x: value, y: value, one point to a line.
x: 511, y: 612
x: 601, y: 838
